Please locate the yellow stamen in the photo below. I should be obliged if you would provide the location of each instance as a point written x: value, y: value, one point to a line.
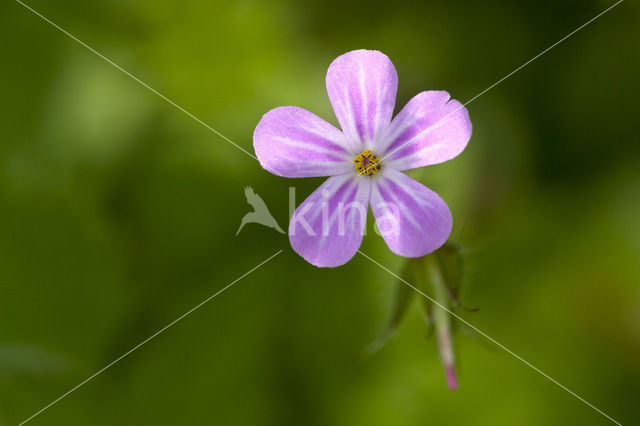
x: 367, y: 163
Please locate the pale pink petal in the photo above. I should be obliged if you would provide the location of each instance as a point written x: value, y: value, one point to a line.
x: 430, y: 129
x: 362, y: 88
x: 292, y: 142
x: 327, y: 228
x: 413, y: 220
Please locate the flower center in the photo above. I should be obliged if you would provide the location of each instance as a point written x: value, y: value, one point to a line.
x: 367, y: 163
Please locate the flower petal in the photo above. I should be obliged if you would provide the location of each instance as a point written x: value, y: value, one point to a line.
x: 292, y: 142
x: 430, y: 129
x: 413, y: 220
x: 362, y: 87
x: 327, y: 228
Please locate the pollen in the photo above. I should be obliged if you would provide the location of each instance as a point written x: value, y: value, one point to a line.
x: 367, y: 163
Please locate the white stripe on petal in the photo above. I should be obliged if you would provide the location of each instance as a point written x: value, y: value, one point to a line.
x: 362, y: 88
x: 430, y: 129
x: 293, y: 142
x: 421, y: 223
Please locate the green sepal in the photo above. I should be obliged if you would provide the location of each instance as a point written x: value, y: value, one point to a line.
x: 451, y: 266
x: 422, y: 280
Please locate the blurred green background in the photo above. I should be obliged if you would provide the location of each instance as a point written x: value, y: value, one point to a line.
x: 118, y: 213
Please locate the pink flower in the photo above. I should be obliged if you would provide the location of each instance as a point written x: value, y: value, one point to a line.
x: 365, y: 161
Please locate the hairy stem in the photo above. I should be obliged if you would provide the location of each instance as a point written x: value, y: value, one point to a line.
x: 442, y: 321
